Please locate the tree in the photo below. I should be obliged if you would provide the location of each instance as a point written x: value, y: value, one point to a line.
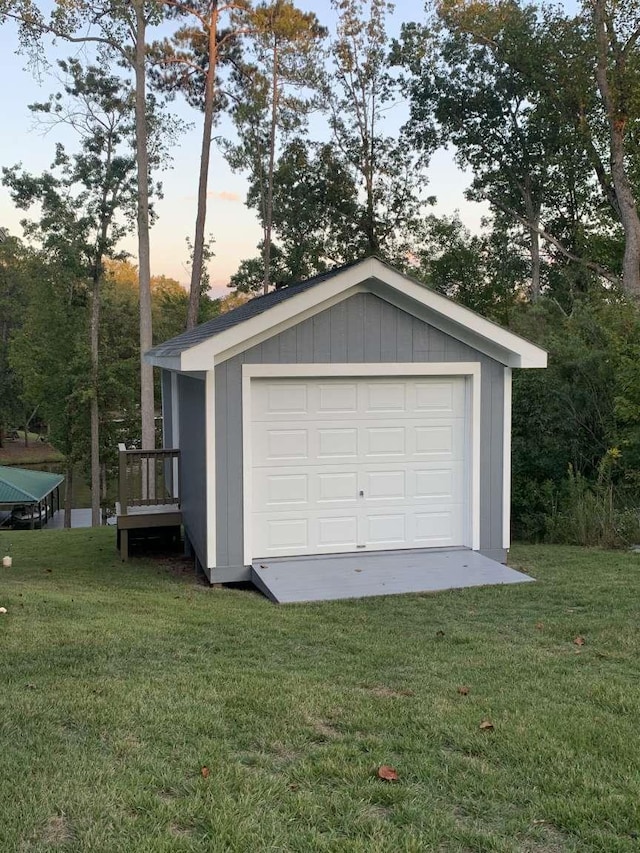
x: 272, y: 91
x: 463, y: 91
x: 359, y: 92
x: 315, y: 205
x: 617, y: 30
x: 50, y: 356
x: 87, y: 205
x: 188, y: 62
x: 14, y: 270
x: 592, y: 114
x: 119, y: 27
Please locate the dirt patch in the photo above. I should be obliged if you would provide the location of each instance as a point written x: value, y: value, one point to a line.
x: 325, y: 730
x: 178, y: 830
x: 57, y: 831
x: 551, y: 840
x: 166, y: 796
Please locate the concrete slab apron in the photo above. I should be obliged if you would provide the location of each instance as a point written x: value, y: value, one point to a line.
x: 330, y: 577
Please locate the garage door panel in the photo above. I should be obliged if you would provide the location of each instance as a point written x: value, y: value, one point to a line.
x: 337, y: 532
x: 280, y: 445
x: 437, y: 483
x: 286, y: 489
x: 337, y: 398
x: 385, y: 485
x: 384, y: 441
x: 337, y: 442
x: 438, y: 398
x: 439, y: 528
x: 336, y: 487
x: 369, y: 464
x: 438, y: 441
x: 284, y: 534
x: 385, y: 397
x: 388, y: 530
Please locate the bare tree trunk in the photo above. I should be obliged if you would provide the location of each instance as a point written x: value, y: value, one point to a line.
x: 268, y: 225
x: 68, y: 495
x: 147, y: 409
x: 198, y: 242
x: 533, y: 222
x: 617, y: 121
x: 95, y: 410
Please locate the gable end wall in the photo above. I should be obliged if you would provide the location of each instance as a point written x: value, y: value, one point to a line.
x: 363, y: 328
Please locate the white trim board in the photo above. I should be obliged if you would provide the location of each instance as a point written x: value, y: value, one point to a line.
x: 471, y: 370
x: 374, y: 276
x: 210, y: 467
x: 506, y: 460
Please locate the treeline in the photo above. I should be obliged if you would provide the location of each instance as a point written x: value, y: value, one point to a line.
x: 540, y: 106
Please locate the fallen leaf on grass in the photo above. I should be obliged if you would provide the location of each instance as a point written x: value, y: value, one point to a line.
x: 463, y: 691
x: 579, y: 641
x: 388, y: 774
x: 487, y: 726
x: 539, y: 625
x: 439, y: 633
x: 3, y: 610
x: 204, y: 772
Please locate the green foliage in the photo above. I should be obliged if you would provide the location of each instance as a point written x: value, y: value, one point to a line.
x: 580, y: 415
x: 588, y: 513
x: 51, y: 357
x: 14, y: 271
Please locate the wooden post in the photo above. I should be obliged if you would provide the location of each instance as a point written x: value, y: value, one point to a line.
x: 122, y: 479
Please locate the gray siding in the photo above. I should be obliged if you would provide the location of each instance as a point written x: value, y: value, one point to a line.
x: 191, y: 411
x: 364, y: 328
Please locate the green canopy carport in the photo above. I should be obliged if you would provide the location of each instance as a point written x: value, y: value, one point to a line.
x: 22, y: 487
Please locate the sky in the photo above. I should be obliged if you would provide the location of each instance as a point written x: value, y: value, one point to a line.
x: 233, y: 226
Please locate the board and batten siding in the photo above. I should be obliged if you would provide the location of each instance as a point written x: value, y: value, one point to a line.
x: 192, y: 417
x: 363, y: 328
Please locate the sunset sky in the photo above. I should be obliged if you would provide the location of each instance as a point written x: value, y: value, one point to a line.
x: 234, y: 227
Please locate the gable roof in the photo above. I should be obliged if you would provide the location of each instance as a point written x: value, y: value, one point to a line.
x: 255, y: 306
x: 264, y: 316
x: 23, y: 486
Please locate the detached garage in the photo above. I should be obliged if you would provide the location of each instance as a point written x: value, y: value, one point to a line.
x: 355, y: 428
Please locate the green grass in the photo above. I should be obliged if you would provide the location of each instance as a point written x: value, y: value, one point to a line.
x: 120, y: 682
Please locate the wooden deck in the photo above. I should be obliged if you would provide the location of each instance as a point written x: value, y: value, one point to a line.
x: 337, y: 576
x: 149, y: 491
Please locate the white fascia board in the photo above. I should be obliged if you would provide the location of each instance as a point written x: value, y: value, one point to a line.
x: 529, y: 355
x: 374, y: 276
x: 166, y: 362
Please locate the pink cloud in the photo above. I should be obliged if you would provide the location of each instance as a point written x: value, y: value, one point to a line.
x: 223, y: 195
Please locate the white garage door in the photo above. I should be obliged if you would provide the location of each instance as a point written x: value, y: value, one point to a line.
x: 357, y: 464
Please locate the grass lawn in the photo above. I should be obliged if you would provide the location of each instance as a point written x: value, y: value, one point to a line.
x: 121, y: 682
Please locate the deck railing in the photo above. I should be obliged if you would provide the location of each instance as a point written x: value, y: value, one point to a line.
x: 148, y: 478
